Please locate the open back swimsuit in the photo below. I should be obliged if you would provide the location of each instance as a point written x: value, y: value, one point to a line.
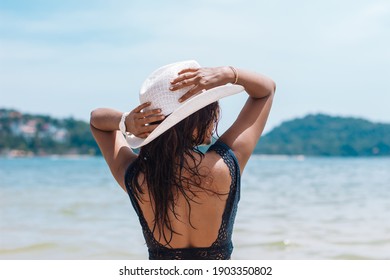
x: 222, y: 247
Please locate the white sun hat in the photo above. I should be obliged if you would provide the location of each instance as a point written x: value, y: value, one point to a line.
x: 155, y: 89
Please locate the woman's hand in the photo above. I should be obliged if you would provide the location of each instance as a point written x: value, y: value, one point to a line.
x: 201, y: 79
x: 141, y: 122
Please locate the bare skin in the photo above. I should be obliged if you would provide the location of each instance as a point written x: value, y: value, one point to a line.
x: 242, y: 137
x: 245, y: 132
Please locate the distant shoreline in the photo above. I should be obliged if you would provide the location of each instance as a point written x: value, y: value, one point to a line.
x: 32, y: 155
x: 24, y: 135
x: 256, y: 156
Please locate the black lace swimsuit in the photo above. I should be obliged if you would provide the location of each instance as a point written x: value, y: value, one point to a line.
x: 222, y: 247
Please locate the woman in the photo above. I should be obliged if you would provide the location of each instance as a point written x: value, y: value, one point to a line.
x: 186, y: 200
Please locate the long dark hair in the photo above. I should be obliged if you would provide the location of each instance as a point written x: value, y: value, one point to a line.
x: 163, y: 162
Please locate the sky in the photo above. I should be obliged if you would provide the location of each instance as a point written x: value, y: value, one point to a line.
x: 65, y: 58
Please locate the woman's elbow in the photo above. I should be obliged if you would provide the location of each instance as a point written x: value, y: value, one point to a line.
x: 93, y: 117
x: 273, y: 87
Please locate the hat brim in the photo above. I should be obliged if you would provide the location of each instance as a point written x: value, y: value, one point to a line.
x: 188, y: 107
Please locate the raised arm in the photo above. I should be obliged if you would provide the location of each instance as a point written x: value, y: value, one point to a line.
x: 105, y: 129
x: 245, y: 132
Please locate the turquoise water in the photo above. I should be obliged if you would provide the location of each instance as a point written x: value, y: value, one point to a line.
x: 290, y: 208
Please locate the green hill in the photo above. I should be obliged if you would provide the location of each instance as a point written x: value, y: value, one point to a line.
x: 323, y: 135
x: 314, y: 135
x: 25, y: 134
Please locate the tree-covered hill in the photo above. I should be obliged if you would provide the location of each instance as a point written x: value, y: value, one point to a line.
x: 314, y: 135
x: 25, y: 134
x: 323, y: 135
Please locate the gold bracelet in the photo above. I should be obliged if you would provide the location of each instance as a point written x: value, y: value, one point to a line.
x: 235, y: 74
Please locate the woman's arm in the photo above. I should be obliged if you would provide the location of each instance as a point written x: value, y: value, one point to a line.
x: 105, y: 129
x: 245, y: 132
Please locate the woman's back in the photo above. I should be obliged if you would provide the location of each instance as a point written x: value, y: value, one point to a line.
x: 204, y: 219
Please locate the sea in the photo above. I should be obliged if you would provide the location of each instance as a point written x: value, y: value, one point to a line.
x: 291, y: 208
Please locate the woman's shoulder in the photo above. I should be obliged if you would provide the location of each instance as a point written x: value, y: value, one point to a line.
x: 221, y: 162
x: 219, y: 145
x: 225, y: 153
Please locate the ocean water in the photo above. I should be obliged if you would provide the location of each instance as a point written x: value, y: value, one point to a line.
x: 290, y: 208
